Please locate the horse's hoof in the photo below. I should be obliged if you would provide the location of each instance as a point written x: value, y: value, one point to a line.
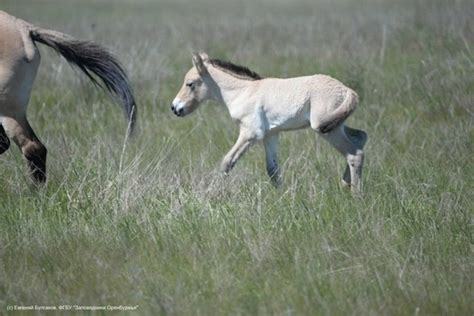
x: 4, y: 147
x: 38, y: 177
x: 4, y: 144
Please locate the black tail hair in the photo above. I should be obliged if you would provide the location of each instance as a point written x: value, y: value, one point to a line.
x: 93, y: 59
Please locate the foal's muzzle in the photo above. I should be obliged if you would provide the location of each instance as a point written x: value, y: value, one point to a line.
x: 177, y: 112
x: 177, y: 107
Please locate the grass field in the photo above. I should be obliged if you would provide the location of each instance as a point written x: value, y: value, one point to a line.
x: 156, y: 225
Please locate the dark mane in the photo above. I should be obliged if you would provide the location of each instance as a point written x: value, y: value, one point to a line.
x: 236, y: 70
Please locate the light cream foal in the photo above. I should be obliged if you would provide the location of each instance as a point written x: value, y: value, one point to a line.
x: 19, y: 62
x: 263, y: 107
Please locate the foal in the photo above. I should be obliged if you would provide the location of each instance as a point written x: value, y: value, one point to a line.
x: 263, y: 107
x: 19, y: 62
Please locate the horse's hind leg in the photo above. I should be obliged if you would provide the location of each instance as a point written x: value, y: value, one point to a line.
x: 4, y: 141
x: 33, y: 150
x: 352, y: 151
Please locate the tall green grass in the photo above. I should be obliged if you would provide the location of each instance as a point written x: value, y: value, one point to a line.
x: 158, y: 226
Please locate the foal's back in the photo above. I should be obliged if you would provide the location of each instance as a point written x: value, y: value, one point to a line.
x: 303, y: 87
x: 296, y: 97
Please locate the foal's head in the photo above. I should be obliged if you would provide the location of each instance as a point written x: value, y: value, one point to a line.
x: 194, y: 89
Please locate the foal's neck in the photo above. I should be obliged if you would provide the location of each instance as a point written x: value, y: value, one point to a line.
x: 226, y: 87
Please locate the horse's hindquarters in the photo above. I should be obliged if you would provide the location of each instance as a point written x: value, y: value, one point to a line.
x: 18, y: 67
x: 16, y: 83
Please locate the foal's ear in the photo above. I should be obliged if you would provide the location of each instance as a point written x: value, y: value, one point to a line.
x: 199, y: 63
x: 204, y: 56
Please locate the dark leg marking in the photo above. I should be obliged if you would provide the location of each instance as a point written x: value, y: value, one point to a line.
x: 4, y: 141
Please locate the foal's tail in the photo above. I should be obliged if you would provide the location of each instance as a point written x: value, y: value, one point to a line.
x: 92, y: 59
x: 336, y: 118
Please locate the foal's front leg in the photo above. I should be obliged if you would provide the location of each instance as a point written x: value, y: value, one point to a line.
x: 244, y: 141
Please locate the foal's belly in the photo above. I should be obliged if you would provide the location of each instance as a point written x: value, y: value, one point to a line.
x: 288, y: 118
x: 288, y: 123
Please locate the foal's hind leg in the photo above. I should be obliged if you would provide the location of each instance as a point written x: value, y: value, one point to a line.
x: 271, y: 143
x: 353, y: 154
x: 33, y: 150
x: 4, y: 141
x: 358, y: 138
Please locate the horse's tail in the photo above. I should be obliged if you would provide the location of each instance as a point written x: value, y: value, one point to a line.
x: 339, y: 115
x: 92, y: 59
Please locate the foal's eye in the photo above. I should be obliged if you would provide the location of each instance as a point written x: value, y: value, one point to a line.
x: 190, y: 84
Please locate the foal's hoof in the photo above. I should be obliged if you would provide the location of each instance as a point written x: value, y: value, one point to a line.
x: 226, y: 167
x: 345, y: 183
x: 356, y: 192
x: 276, y: 182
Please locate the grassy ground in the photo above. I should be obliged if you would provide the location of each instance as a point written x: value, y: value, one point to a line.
x: 158, y: 226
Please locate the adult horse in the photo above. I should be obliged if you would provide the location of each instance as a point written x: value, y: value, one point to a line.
x: 263, y: 107
x: 19, y: 62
